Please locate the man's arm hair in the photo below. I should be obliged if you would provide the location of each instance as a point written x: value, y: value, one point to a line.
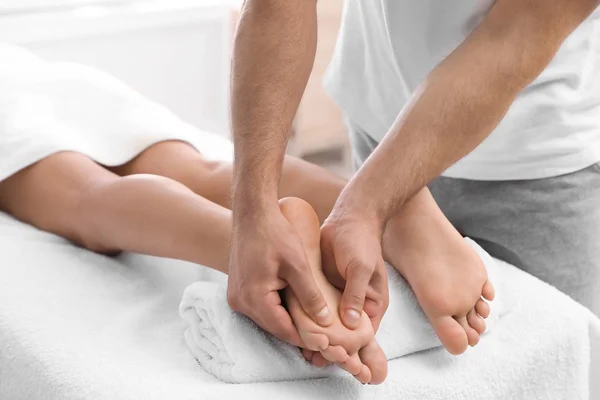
x: 274, y: 52
x: 463, y: 99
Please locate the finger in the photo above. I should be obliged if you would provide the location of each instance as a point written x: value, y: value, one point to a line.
x: 375, y: 309
x: 358, y: 277
x: 309, y: 295
x: 276, y: 320
x: 482, y: 308
x: 378, y: 298
x: 329, y: 266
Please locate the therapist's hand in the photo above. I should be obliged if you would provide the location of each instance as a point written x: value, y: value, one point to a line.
x: 353, y: 262
x: 266, y: 256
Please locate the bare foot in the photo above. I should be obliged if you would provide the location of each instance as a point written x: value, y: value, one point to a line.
x: 447, y: 276
x: 356, y: 351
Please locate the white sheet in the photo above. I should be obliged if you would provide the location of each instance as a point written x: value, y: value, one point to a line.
x: 76, y: 325
x: 49, y: 107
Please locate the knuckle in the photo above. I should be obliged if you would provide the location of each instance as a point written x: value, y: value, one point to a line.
x: 236, y: 300
x: 280, y: 331
x: 354, y: 298
x: 296, y: 266
x: 359, y: 268
x: 233, y: 301
x: 314, y: 302
x: 283, y: 333
x: 382, y: 303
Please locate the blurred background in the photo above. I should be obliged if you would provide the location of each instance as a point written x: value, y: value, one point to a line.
x: 176, y: 52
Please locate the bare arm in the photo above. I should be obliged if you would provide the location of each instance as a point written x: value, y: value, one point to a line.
x: 273, y: 56
x: 274, y: 53
x: 463, y: 100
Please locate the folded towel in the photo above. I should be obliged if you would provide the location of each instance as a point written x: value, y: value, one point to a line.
x: 232, y: 348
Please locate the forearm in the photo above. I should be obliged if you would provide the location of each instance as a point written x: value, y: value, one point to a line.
x: 274, y: 52
x: 462, y: 101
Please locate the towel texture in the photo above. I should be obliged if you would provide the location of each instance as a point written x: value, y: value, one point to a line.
x: 79, y: 108
x: 76, y: 325
x: 232, y: 348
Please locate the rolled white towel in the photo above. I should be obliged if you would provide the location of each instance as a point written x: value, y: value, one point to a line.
x: 234, y: 349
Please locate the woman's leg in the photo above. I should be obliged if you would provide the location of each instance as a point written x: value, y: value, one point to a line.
x: 70, y: 195
x: 212, y: 180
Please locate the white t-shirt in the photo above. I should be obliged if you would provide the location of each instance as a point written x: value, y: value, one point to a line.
x: 386, y: 49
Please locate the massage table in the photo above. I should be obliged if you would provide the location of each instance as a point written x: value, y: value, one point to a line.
x: 78, y: 325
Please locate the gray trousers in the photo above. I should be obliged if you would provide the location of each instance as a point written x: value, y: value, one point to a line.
x: 548, y: 227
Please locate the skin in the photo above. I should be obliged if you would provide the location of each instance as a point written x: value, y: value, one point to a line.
x: 456, y: 108
x: 356, y: 351
x: 170, y: 202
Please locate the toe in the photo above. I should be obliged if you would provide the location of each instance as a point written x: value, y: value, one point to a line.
x: 488, y: 291
x: 335, y: 354
x: 476, y: 322
x: 364, y: 376
x: 314, y: 341
x: 451, y: 334
x: 308, y: 354
x: 482, y: 308
x: 374, y: 358
x: 319, y: 361
x: 353, y: 365
x: 472, y: 335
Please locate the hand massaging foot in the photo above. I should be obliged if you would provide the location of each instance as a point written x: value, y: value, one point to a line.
x: 356, y: 351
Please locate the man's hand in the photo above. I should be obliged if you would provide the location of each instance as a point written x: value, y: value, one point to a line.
x: 352, y: 261
x: 274, y: 50
x: 266, y: 256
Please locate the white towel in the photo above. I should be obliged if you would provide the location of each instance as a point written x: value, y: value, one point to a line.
x: 49, y: 107
x: 232, y: 348
x: 76, y: 325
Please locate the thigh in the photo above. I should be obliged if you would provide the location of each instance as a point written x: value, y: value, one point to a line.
x: 46, y: 194
x: 547, y: 227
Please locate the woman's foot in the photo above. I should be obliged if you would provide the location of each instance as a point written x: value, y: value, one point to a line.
x: 356, y: 351
x: 447, y: 276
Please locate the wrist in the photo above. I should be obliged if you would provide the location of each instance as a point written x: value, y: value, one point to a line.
x: 352, y: 207
x: 359, y: 201
x: 253, y: 199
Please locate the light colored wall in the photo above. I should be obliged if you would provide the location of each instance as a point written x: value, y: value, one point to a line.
x: 178, y: 56
x: 319, y: 123
x: 178, y: 53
